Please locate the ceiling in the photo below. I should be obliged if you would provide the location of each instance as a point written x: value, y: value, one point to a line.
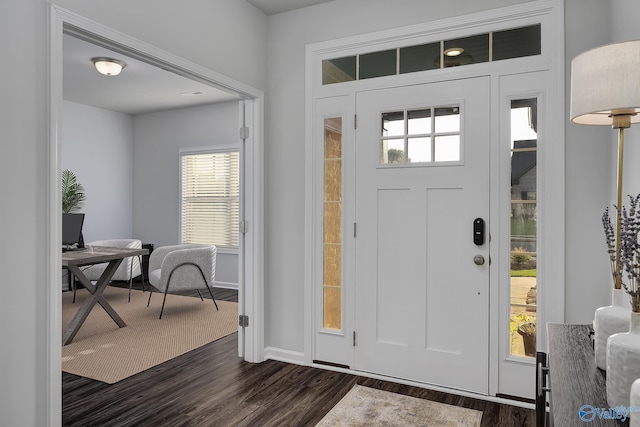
x: 271, y: 7
x: 141, y: 87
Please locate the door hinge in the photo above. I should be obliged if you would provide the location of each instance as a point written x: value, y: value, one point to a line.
x: 354, y: 229
x: 243, y: 320
x: 355, y: 121
x: 244, y: 132
x: 244, y: 227
x: 354, y: 338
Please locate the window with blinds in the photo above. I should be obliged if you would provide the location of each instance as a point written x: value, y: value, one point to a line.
x: 210, y: 198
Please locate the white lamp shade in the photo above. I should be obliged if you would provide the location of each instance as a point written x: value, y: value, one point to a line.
x: 606, y: 81
x: 108, y: 66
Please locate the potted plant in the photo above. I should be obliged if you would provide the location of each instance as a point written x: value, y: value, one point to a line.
x: 525, y: 326
x: 73, y: 196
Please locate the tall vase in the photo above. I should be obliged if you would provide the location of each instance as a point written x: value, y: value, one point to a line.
x: 623, y: 363
x: 634, y: 416
x: 610, y: 320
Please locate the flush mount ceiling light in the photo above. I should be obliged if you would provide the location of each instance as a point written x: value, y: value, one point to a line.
x: 197, y: 93
x: 453, y: 51
x: 108, y: 66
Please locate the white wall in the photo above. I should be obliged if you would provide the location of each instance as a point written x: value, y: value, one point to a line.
x: 289, y: 33
x: 591, y: 154
x: 590, y: 176
x: 223, y: 35
x: 97, y: 145
x: 158, y: 137
x: 624, y: 26
x: 228, y: 36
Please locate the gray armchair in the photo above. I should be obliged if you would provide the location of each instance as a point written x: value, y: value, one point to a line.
x: 129, y: 268
x: 182, y: 267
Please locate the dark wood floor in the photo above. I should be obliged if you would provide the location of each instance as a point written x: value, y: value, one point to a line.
x: 212, y: 386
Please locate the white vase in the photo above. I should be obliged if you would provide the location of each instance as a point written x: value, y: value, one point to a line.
x: 610, y: 320
x: 634, y: 416
x: 623, y: 363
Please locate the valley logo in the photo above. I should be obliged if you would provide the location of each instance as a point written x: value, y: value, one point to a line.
x: 588, y: 413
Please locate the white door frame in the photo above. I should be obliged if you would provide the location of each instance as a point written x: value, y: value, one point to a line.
x: 251, y: 258
x: 550, y: 13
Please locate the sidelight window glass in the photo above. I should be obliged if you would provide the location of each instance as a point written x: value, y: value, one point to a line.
x: 524, y: 227
x: 332, y: 245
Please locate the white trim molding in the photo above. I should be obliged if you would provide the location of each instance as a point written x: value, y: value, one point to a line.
x: 282, y: 355
x: 550, y: 15
x: 61, y: 20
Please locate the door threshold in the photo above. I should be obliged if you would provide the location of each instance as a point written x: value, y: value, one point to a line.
x: 499, y: 398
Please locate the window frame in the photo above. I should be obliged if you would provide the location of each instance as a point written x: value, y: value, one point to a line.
x: 188, y: 151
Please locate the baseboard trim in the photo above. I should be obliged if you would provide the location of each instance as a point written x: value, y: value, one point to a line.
x: 281, y: 355
x: 225, y: 285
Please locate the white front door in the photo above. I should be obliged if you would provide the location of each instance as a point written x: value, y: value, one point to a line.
x: 422, y: 179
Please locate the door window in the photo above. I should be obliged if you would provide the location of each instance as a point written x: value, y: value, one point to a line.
x: 424, y: 135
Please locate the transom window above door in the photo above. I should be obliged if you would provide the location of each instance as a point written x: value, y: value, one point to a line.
x: 423, y: 136
x: 473, y: 49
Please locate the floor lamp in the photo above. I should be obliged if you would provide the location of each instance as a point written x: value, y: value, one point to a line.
x: 605, y: 90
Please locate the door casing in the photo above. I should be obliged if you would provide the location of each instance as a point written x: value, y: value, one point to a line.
x: 548, y: 12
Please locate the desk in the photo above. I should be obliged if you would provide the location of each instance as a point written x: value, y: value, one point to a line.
x: 98, y: 254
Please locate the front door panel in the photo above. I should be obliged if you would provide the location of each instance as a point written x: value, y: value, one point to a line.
x: 422, y: 178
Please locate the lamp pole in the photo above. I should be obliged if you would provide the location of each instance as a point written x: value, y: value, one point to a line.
x: 620, y: 122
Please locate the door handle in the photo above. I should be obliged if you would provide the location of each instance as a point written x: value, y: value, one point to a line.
x: 478, y: 260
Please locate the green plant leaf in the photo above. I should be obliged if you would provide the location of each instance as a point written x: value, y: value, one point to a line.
x: 73, y: 196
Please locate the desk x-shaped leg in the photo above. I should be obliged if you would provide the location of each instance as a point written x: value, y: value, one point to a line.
x: 96, y: 297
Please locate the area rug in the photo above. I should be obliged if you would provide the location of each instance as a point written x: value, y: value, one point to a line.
x: 104, y: 352
x: 364, y: 406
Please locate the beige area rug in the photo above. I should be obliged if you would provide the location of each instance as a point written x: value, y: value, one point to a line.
x: 103, y: 351
x: 364, y: 406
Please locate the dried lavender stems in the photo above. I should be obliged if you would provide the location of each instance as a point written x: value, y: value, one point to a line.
x: 630, y: 250
x: 612, y: 249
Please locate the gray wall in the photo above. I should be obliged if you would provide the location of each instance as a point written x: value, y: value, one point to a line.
x: 97, y: 145
x: 231, y: 37
x: 226, y: 35
x: 130, y: 164
x: 591, y: 153
x: 158, y: 138
x: 289, y: 33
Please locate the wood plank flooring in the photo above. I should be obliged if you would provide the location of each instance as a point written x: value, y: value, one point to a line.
x: 212, y: 386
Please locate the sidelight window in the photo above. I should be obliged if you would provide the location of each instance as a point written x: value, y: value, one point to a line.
x: 524, y: 226
x: 332, y: 245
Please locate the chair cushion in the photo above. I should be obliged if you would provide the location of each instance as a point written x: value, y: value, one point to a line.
x: 155, y: 277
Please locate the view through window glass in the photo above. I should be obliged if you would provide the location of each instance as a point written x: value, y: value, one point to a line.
x: 425, y: 135
x: 332, y: 256
x: 523, y: 260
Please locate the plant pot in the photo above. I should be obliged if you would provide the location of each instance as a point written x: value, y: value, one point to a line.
x: 623, y: 363
x: 610, y: 320
x: 634, y: 416
x: 528, y: 332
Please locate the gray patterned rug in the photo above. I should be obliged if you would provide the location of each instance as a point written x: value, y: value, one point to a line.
x: 364, y: 406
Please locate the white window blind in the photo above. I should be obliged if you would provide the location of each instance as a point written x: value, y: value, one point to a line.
x: 211, y: 198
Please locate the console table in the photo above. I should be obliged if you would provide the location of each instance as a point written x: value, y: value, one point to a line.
x: 575, y: 381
